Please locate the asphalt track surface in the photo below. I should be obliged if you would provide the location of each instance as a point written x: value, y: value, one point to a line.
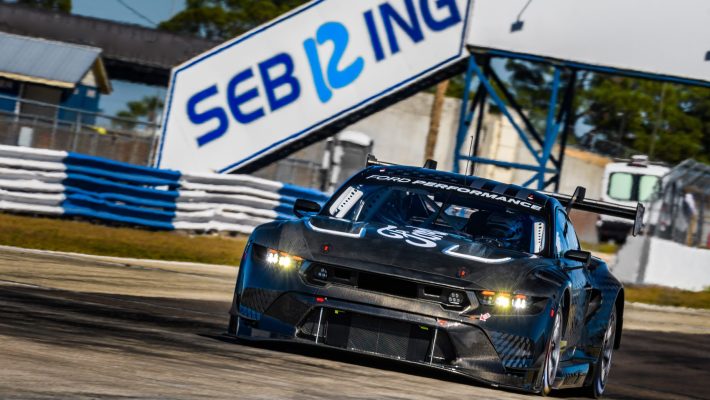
x: 82, y: 327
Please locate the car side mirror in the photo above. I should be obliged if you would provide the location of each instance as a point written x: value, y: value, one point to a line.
x: 582, y: 256
x: 305, y: 206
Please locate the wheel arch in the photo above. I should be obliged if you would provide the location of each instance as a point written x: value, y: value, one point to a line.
x: 619, y: 302
x: 566, y: 299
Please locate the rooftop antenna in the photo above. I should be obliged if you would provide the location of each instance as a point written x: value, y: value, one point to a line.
x: 468, y: 161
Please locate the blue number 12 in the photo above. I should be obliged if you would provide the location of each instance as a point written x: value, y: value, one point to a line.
x: 336, y: 77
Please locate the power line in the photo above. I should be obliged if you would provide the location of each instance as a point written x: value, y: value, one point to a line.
x: 137, y: 13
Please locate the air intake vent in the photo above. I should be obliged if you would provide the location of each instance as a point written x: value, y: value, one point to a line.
x: 323, y: 274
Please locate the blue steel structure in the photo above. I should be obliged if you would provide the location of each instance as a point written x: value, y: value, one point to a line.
x: 479, y: 80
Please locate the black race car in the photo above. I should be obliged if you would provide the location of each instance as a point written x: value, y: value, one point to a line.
x: 455, y: 272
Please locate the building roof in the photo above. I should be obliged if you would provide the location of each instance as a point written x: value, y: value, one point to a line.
x: 50, y: 63
x: 130, y: 52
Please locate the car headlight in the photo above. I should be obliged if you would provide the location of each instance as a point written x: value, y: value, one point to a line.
x: 503, y: 300
x: 282, y: 259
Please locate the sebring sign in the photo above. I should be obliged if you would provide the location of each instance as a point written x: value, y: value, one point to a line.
x: 277, y: 84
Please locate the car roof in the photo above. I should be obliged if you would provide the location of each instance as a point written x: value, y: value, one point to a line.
x: 488, y: 185
x: 653, y: 170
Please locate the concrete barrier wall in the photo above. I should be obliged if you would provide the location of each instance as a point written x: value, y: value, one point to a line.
x: 654, y: 261
x: 673, y: 264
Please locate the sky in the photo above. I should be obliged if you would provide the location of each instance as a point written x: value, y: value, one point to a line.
x: 146, y: 13
x: 120, y: 10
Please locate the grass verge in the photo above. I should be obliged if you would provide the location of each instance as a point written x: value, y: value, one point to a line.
x: 608, y: 248
x: 84, y: 237
x: 667, y: 296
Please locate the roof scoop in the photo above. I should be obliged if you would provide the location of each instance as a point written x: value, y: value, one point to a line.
x: 373, y: 161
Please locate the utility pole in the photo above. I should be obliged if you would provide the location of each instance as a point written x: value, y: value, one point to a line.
x: 659, y: 119
x: 435, y: 119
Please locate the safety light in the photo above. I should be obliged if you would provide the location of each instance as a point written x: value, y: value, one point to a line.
x: 322, y: 273
x: 283, y: 260
x: 456, y: 298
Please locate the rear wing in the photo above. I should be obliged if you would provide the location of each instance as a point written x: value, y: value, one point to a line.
x: 634, y: 214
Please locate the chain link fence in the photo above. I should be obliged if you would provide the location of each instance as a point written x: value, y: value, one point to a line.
x: 46, y: 126
x: 681, y: 210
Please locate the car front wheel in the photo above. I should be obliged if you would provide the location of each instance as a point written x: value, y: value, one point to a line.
x: 552, y: 354
x: 603, y: 364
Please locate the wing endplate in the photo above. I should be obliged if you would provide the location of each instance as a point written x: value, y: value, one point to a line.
x: 634, y: 214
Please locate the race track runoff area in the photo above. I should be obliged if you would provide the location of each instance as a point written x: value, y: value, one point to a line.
x: 94, y: 327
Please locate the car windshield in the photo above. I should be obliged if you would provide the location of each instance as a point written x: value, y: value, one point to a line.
x: 503, y: 224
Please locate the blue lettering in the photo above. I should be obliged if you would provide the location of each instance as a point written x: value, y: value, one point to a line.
x: 338, y: 34
x: 453, y: 18
x: 236, y: 101
x: 374, y: 36
x: 413, y: 29
x: 322, y: 89
x: 200, y: 118
x: 337, y: 77
x: 287, y: 78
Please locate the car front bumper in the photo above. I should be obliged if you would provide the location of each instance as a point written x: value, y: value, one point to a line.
x: 502, y: 350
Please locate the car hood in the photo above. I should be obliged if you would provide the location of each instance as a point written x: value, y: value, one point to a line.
x: 422, y: 251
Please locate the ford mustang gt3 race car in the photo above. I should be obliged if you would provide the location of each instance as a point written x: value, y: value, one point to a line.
x: 455, y: 272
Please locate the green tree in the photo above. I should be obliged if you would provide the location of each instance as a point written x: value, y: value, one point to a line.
x: 670, y: 122
x: 698, y: 106
x: 531, y: 87
x: 665, y: 120
x: 225, y: 19
x: 147, y: 109
x: 54, y: 5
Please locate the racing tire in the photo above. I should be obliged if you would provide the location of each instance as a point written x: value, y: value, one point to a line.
x: 552, y: 354
x: 233, y: 326
x: 603, y: 365
x: 234, y: 320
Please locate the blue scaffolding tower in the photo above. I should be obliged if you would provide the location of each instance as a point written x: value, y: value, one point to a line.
x: 479, y: 81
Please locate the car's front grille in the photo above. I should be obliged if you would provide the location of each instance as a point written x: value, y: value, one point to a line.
x: 322, y: 274
x: 382, y: 336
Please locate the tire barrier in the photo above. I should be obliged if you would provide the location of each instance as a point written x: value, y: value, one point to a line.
x: 59, y: 183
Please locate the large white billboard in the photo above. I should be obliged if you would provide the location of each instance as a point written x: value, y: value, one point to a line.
x: 275, y: 85
x: 660, y: 37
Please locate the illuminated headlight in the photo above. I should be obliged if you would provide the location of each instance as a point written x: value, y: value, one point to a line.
x: 503, y: 300
x: 283, y: 260
x: 488, y: 297
x: 520, y: 302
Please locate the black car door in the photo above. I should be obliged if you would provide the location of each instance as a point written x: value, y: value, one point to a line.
x: 566, y: 239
